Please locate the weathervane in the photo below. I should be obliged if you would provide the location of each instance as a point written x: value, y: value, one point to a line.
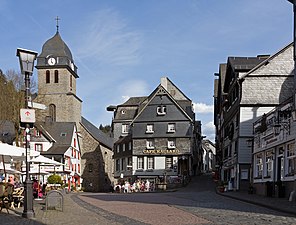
x: 57, y: 19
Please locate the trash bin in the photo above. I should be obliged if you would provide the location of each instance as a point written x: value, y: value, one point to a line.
x: 268, y: 189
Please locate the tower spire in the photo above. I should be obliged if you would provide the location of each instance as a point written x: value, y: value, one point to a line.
x: 57, y: 19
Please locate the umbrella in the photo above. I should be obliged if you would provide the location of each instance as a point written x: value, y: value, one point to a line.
x: 44, y: 161
x: 9, y: 150
x: 8, y: 169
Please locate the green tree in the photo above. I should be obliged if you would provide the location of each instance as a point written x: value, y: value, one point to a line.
x: 106, y: 129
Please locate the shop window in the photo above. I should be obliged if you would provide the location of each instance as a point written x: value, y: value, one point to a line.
x: 169, y: 163
x: 291, y: 159
x: 150, y: 163
x: 140, y: 163
x: 269, y: 164
x: 259, y: 166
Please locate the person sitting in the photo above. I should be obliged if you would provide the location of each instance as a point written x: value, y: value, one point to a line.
x: 35, y: 188
x: 11, y: 179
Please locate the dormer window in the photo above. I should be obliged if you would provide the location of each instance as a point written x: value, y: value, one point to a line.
x: 150, y: 128
x: 171, y: 127
x: 161, y: 110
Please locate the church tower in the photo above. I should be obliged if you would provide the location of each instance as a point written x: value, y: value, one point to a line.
x: 57, y: 76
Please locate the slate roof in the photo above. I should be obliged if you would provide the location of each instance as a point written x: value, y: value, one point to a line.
x: 62, y: 133
x: 96, y: 133
x: 135, y: 101
x: 130, y: 108
x: 57, y: 47
x: 245, y: 63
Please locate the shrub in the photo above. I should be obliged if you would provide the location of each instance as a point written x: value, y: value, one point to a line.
x: 55, y: 179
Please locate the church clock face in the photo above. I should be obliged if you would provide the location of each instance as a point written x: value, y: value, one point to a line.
x: 51, y: 61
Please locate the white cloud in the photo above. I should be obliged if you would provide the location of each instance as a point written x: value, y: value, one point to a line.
x: 203, y: 108
x: 133, y: 88
x: 208, y: 130
x: 108, y: 40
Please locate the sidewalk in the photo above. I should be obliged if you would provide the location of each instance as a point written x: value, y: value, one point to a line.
x: 278, y: 204
x: 73, y: 214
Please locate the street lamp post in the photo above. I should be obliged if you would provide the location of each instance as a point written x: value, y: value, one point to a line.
x: 27, y: 58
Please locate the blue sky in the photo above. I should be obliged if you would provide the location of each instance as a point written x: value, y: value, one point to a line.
x: 123, y: 47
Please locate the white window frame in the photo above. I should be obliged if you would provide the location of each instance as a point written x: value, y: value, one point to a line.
x: 291, y: 159
x: 125, y: 128
x: 171, y: 127
x: 169, y: 162
x: 140, y: 162
x: 150, y: 128
x: 161, y: 110
x: 171, y: 144
x: 268, y: 164
x: 38, y: 147
x: 258, y: 166
x: 150, y: 144
x: 150, y: 163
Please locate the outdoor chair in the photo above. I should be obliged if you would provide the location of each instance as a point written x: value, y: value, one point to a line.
x: 6, y: 190
x: 18, y: 197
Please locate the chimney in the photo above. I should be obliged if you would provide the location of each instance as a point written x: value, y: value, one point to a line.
x: 164, y: 82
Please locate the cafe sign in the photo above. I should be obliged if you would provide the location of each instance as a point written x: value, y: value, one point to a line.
x: 165, y: 151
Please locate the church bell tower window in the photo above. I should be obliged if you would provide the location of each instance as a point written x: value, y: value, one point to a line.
x: 52, y: 112
x: 56, y: 76
x: 47, y: 76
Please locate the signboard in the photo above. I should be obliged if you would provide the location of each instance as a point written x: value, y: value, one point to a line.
x: 27, y: 115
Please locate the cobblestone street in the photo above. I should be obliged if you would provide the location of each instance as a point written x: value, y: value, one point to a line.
x: 196, y: 204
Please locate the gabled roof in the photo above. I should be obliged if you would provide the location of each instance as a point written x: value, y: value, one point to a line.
x: 161, y: 90
x: 97, y: 134
x: 267, y: 60
x: 236, y: 65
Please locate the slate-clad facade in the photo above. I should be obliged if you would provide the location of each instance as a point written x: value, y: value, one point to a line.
x: 157, y: 135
